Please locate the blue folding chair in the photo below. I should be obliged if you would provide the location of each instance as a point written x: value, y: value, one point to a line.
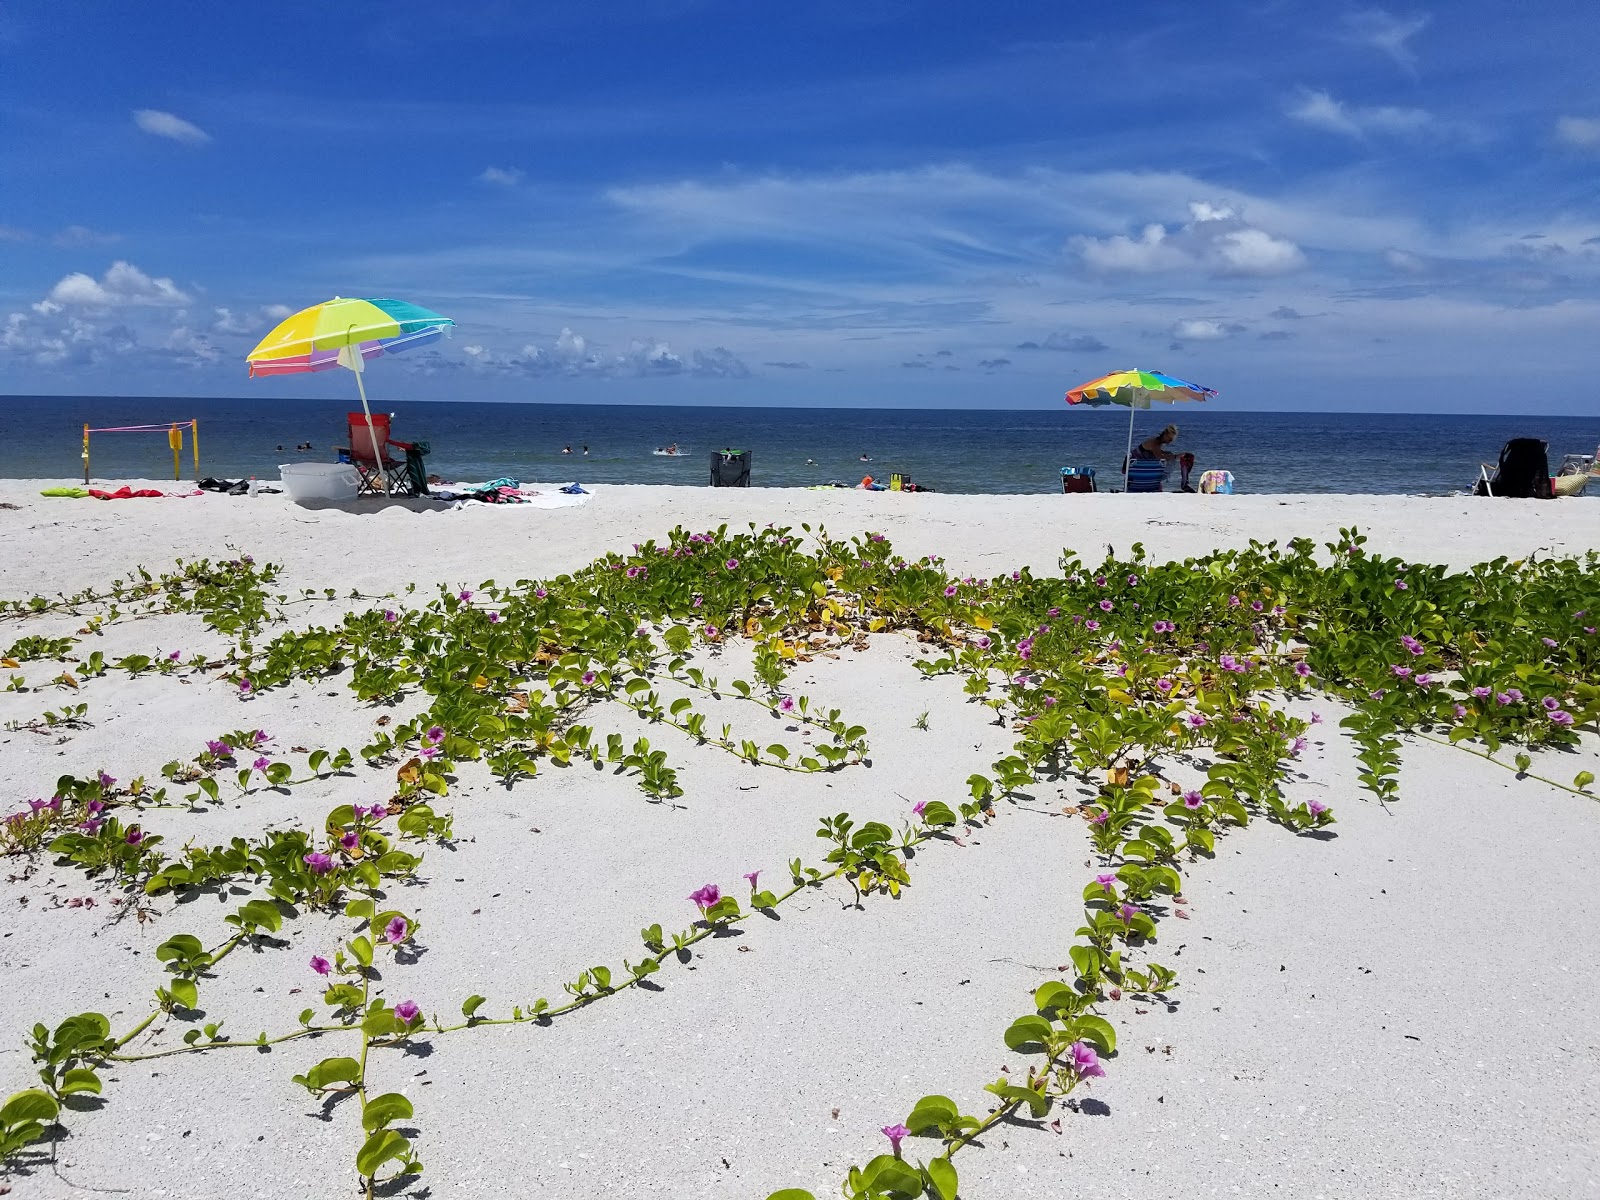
x: 1146, y: 474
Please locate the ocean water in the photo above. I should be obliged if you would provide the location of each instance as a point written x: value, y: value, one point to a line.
x: 959, y: 450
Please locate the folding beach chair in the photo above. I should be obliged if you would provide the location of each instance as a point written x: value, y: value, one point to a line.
x: 1146, y: 474
x: 1523, y: 471
x: 1077, y: 479
x: 402, y: 476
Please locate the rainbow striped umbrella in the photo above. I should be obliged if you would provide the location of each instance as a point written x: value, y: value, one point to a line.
x: 1136, y: 389
x: 345, y: 333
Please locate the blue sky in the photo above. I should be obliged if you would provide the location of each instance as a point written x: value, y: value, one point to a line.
x: 853, y: 202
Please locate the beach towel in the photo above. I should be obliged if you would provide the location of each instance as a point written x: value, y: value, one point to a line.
x: 125, y: 493
x: 1217, y: 483
x: 573, y: 489
x: 71, y: 493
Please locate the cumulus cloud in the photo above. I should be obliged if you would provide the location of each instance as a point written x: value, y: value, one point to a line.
x: 719, y: 363
x: 1202, y: 329
x: 1386, y: 33
x: 1583, y: 133
x: 256, y: 323
x: 1082, y: 343
x: 123, y: 285
x: 1216, y: 240
x: 1321, y: 110
x: 168, y: 125
x: 501, y: 176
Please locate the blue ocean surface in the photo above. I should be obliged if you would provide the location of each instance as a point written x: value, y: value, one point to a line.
x: 948, y: 450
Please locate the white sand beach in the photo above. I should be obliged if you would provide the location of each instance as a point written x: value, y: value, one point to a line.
x: 1358, y: 1016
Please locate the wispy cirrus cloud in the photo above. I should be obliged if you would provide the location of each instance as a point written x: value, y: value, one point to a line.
x: 1582, y: 133
x: 1387, y: 33
x: 170, y: 126
x: 1320, y: 110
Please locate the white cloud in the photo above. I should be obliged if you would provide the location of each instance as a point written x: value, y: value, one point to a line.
x: 10, y: 233
x: 1582, y: 132
x: 1204, y: 330
x: 1387, y: 33
x: 276, y: 312
x: 168, y: 125
x: 719, y: 363
x: 1405, y: 262
x: 1216, y: 240
x: 123, y: 285
x: 501, y: 176
x: 1322, y: 111
x: 256, y: 324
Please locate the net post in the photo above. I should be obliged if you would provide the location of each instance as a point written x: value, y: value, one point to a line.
x: 194, y: 433
x: 86, y: 454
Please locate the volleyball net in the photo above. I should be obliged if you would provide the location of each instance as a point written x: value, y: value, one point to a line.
x: 173, y: 430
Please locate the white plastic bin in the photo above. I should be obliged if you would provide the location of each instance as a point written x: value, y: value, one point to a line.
x: 319, y: 481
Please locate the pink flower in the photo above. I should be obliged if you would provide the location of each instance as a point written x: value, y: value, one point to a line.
x: 1297, y: 746
x: 1133, y: 581
x: 320, y: 965
x: 395, y: 931
x: 175, y: 656
x: 1316, y: 718
x: 588, y: 678
x: 752, y: 876
x: 1128, y: 911
x: 1085, y: 1062
x: 1052, y: 612
x: 705, y: 897
x: 1316, y: 808
x: 711, y: 633
x: 1234, y: 602
x: 350, y: 840
x: 1461, y: 711
x: 732, y: 564
x: 1164, y: 685
x: 1256, y: 606
x: 919, y: 807
x: 319, y: 862
x: 379, y: 812
x: 1551, y: 703
x: 1108, y: 882
x: 1400, y: 585
x: 1192, y: 800
x: 435, y: 734
x: 1197, y: 720
x: 541, y: 593
x: 1025, y: 649
x: 261, y: 764
x: 1106, y: 606
x: 896, y: 1134
x: 429, y: 752
x: 244, y: 687
x: 1091, y: 625
x: 786, y: 704
x: 1482, y: 693
x: 407, y: 1011
x: 494, y: 618
x: 464, y: 596
x: 1560, y: 717
x: 983, y: 643
x: 106, y: 781
x: 1401, y: 671
x: 951, y: 590
x: 390, y: 615
x: 1302, y: 669
x: 1099, y: 817
x: 134, y: 836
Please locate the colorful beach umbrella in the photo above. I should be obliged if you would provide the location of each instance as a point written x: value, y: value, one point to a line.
x: 345, y: 332
x: 1136, y: 389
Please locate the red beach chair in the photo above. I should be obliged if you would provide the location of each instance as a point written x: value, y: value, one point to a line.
x: 375, y: 472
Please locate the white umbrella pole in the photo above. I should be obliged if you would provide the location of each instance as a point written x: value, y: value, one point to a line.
x: 350, y: 358
x: 377, y: 454
x: 1127, y: 458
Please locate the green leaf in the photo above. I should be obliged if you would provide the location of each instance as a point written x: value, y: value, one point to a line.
x: 1582, y: 779
x: 263, y: 914
x: 361, y: 909
x: 471, y: 1005
x: 380, y: 1148
x: 29, y: 1105
x: 179, y: 946
x: 361, y: 950
x: 932, y: 1112
x: 79, y: 1080
x: 184, y: 992
x: 942, y: 1174
x: 792, y: 1194
x: 333, y: 1070
x: 385, y: 1110
x: 1523, y: 762
x: 1027, y: 1035
x: 937, y: 813
x: 1097, y: 1031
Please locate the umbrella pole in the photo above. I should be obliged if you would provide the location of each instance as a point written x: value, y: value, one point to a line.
x: 1127, y: 458
x: 377, y: 455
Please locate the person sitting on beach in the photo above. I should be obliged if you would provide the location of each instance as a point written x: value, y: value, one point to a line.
x: 1155, y: 447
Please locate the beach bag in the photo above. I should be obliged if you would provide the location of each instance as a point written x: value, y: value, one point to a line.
x: 1217, y: 483
x: 1077, y: 479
